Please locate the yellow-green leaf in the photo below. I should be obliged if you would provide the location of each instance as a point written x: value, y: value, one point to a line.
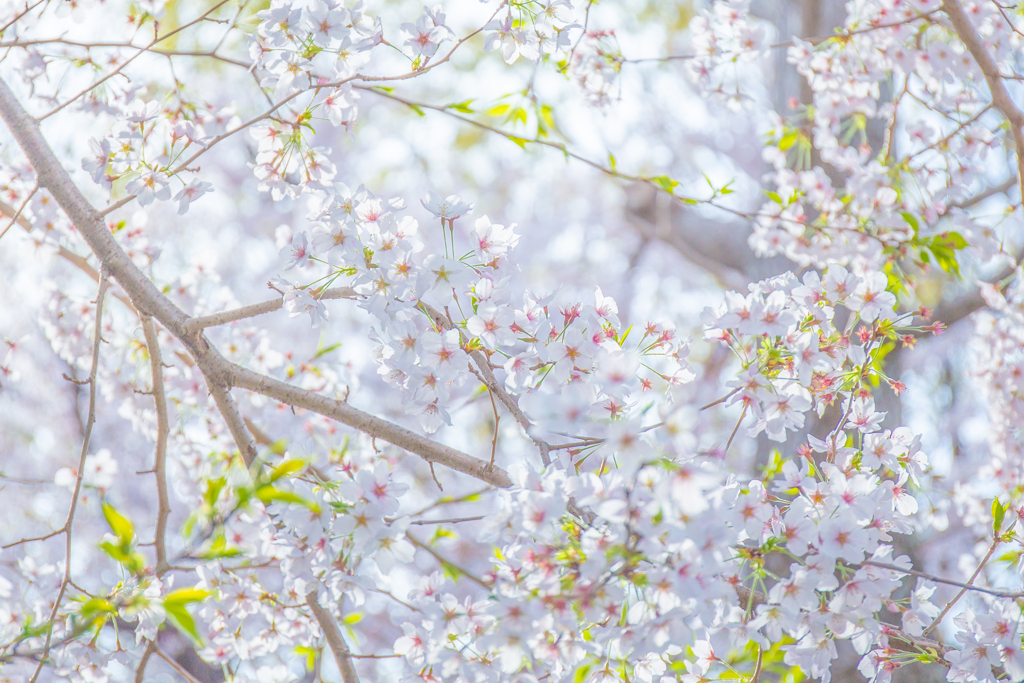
x: 180, y: 617
x: 186, y: 596
x: 119, y: 524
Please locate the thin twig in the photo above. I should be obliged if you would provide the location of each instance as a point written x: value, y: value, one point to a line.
x: 1013, y: 595
x: 491, y: 382
x: 497, y: 420
x: 450, y: 520
x: 142, y: 51
x: 614, y: 173
x: 445, y: 562
x: 735, y: 429
x: 775, y: 46
x: 18, y: 17
x: 17, y: 214
x: 945, y: 610
x: 721, y: 400
x: 87, y: 437
x: 211, y: 54
x: 58, y: 532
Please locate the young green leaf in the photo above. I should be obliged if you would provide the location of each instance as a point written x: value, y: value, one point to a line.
x: 119, y: 524
x: 998, y: 515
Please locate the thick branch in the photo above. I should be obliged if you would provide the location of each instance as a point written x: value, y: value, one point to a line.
x: 253, y: 310
x: 332, y: 633
x: 229, y: 411
x: 1000, y: 96
x: 341, y: 411
x: 220, y: 374
x: 52, y: 176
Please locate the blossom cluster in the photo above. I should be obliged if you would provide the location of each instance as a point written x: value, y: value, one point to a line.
x: 894, y: 197
x: 624, y: 533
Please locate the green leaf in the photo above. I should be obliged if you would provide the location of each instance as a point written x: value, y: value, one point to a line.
x: 622, y: 337
x: 308, y: 654
x: 94, y: 606
x: 416, y: 108
x: 911, y: 220
x: 953, y: 240
x: 119, y: 524
x: 498, y: 109
x: 95, y: 612
x: 462, y: 107
x: 547, y: 115
x: 131, y: 560
x: 269, y: 494
x: 788, y: 140
x: 180, y: 617
x: 286, y: 469
x: 324, y: 350
x: 581, y: 673
x: 213, y: 489
x: 665, y: 183
x: 186, y: 596
x: 517, y: 114
x: 519, y: 141
x: 219, y: 548
x: 998, y: 514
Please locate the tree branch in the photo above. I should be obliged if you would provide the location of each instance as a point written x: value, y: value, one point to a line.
x: 140, y: 670
x: 492, y: 383
x: 202, y: 322
x: 969, y: 585
x: 428, y: 449
x: 1000, y: 97
x: 141, y: 51
x: 69, y: 523
x: 332, y: 633
x: 220, y: 374
x: 162, y: 432
x: 1015, y: 595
